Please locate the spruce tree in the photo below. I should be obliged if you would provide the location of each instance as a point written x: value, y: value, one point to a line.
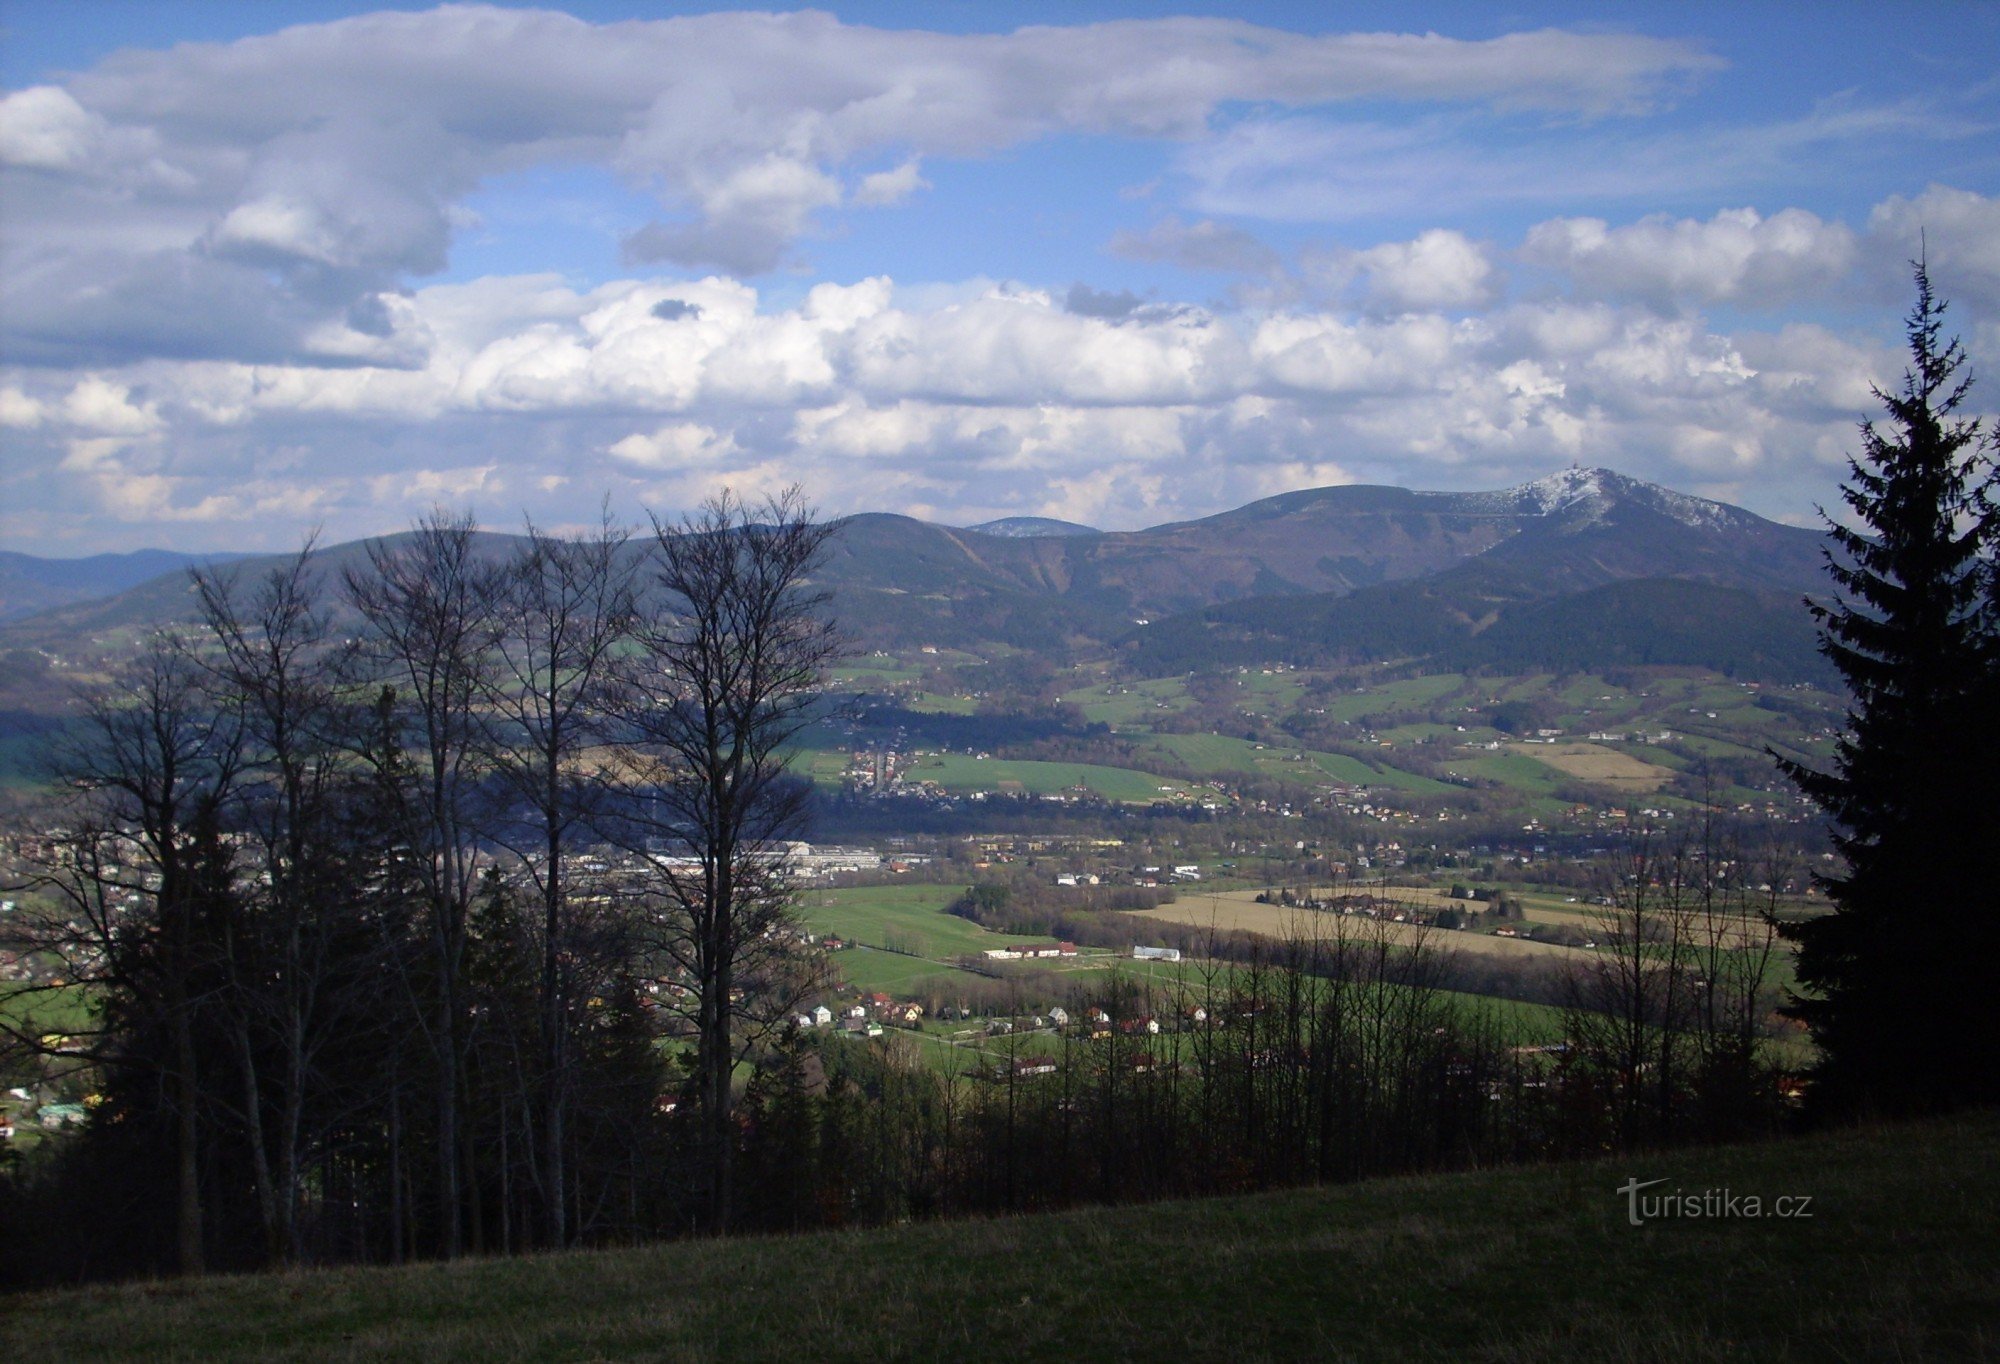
x: 1896, y: 977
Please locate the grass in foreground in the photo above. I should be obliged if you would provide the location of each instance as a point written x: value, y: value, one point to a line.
x: 1898, y: 1260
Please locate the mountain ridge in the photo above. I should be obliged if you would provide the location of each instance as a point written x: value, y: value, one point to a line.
x: 1269, y: 573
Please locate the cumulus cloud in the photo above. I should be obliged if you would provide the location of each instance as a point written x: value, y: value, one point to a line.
x: 1957, y: 231
x: 44, y: 128
x: 101, y: 406
x: 19, y: 410
x: 995, y: 399
x: 676, y: 446
x: 233, y: 200
x: 1735, y: 257
x: 1440, y: 269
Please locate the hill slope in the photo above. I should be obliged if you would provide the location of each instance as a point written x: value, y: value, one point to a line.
x: 29, y: 584
x: 1896, y: 1260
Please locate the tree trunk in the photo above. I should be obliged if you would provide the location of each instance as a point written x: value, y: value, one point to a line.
x: 188, y: 1228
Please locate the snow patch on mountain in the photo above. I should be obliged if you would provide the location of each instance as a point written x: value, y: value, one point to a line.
x: 1583, y: 497
x: 1031, y: 528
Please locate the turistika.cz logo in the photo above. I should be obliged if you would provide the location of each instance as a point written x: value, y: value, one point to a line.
x: 1713, y: 1204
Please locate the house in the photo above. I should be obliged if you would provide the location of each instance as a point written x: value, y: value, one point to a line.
x: 822, y: 1016
x: 1028, y: 1066
x: 1059, y: 1016
x: 908, y: 1013
x: 1132, y: 1026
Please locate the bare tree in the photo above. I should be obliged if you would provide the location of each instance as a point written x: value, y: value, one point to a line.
x: 566, y: 604
x: 274, y: 667
x: 134, y: 873
x: 428, y: 599
x: 720, y: 687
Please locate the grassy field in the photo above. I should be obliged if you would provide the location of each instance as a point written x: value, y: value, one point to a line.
x: 1897, y: 1260
x: 961, y: 772
x: 909, y: 919
x: 1127, y: 705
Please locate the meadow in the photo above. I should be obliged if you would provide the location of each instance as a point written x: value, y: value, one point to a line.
x: 1895, y: 1259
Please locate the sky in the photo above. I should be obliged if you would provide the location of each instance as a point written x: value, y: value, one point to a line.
x: 273, y: 267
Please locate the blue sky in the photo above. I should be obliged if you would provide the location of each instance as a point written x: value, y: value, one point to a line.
x: 267, y: 266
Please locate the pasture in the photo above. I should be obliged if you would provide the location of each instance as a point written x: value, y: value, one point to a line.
x: 963, y: 773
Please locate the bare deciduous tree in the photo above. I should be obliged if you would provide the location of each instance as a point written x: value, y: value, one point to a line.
x: 721, y: 685
x: 428, y: 598
x: 134, y: 874
x: 566, y: 605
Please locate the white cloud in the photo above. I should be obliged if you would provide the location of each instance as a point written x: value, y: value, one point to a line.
x: 1735, y: 257
x: 422, y: 488
x: 237, y: 200
x: 44, y: 128
x: 891, y: 186
x: 998, y: 398
x: 19, y: 410
x: 1439, y: 269
x: 676, y: 446
x: 104, y: 407
x: 1957, y: 230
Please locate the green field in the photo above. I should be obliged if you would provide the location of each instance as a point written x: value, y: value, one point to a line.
x: 1126, y: 705
x: 909, y: 919
x: 1409, y: 694
x: 959, y: 772
x: 65, y: 1009
x: 1897, y: 1260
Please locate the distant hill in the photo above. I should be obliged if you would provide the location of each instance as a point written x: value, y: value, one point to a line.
x: 29, y: 584
x: 1324, y: 573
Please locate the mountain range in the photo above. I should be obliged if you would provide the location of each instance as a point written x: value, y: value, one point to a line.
x: 1585, y: 564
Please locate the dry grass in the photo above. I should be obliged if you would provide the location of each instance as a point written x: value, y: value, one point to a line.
x: 1238, y: 910
x: 1599, y: 766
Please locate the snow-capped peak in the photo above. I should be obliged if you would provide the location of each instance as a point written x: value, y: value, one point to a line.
x: 1564, y: 489
x: 1584, y: 496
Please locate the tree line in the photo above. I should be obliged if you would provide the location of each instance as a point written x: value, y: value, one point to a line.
x: 382, y: 892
